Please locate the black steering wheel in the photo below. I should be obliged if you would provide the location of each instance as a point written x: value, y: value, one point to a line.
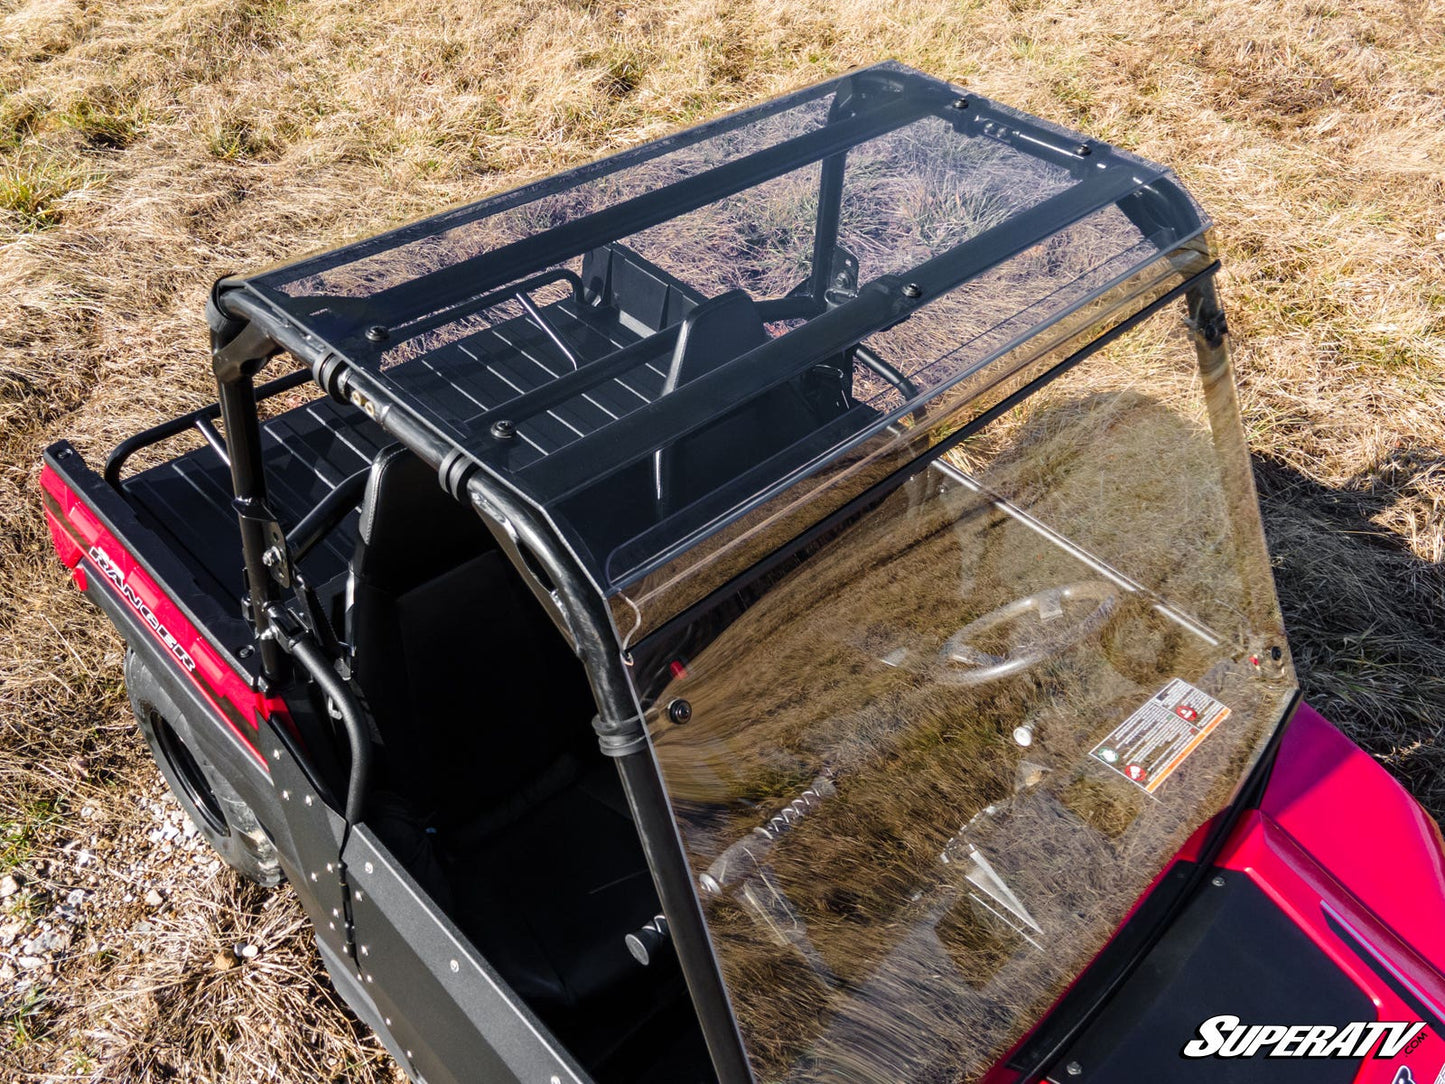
x: 964, y: 664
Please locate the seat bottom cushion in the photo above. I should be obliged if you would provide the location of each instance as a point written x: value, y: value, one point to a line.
x: 549, y: 895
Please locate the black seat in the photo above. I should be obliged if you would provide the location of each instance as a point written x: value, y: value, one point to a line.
x: 714, y: 333
x: 484, y: 714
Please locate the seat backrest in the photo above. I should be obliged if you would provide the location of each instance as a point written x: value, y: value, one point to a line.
x: 411, y: 529
x: 470, y: 687
x: 714, y: 333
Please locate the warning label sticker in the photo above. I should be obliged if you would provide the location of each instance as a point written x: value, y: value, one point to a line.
x: 1157, y: 738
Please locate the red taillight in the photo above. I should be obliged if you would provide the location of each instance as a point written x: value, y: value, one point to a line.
x: 57, y: 501
x: 65, y: 546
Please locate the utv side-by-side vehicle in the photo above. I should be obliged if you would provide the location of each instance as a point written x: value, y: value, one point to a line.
x: 783, y: 604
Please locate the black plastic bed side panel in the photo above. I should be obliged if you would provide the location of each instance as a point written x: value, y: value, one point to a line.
x: 453, y: 1018
x: 308, y: 834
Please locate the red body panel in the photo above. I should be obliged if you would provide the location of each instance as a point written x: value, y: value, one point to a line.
x: 1351, y: 816
x: 1336, y: 837
x: 95, y: 555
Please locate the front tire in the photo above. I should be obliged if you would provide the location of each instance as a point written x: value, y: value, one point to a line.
x: 221, y: 815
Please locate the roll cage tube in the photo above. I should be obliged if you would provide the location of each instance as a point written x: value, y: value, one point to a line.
x: 242, y: 345
x: 623, y: 737
x: 239, y: 350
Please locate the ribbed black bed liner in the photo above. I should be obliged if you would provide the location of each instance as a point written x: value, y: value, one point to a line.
x: 464, y: 379
x: 311, y: 449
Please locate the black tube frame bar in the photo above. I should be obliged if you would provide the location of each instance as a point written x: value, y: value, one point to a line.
x: 830, y: 209
x: 330, y: 511
x: 886, y: 370
x: 248, y: 483
x: 623, y: 737
x: 167, y: 429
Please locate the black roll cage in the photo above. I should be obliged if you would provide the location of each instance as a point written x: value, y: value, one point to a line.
x: 248, y: 328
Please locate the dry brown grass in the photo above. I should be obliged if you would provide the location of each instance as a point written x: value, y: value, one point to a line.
x: 146, y: 146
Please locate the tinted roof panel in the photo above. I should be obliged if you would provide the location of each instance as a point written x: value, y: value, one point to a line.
x: 648, y: 347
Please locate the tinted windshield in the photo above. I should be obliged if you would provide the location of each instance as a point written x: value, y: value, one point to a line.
x: 932, y: 760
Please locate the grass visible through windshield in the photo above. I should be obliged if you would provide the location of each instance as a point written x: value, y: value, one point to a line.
x: 862, y: 935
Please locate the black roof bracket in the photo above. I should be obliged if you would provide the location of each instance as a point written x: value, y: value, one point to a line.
x: 238, y: 347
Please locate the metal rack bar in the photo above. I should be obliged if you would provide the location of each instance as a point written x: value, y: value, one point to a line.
x: 157, y: 433
x: 213, y: 438
x: 547, y: 329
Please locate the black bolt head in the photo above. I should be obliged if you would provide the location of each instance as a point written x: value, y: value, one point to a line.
x: 679, y: 711
x: 960, y: 103
x: 504, y: 429
x: 377, y: 334
x: 912, y: 289
x: 1083, y: 150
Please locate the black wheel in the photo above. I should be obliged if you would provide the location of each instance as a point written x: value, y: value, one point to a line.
x: 218, y: 812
